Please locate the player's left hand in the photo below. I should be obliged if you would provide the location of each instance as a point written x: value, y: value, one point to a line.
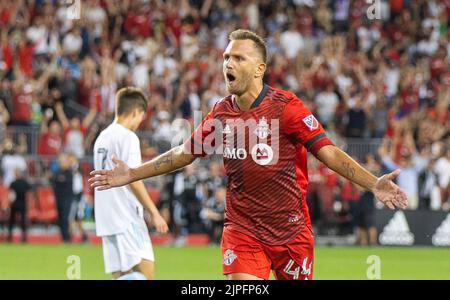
x: 159, y: 223
x: 389, y: 193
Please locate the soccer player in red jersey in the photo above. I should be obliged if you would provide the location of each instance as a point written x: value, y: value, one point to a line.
x: 263, y: 134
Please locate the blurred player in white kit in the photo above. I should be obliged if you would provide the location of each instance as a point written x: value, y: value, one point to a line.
x: 119, y: 212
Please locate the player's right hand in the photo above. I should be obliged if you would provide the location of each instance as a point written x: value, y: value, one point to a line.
x: 160, y: 224
x: 105, y: 179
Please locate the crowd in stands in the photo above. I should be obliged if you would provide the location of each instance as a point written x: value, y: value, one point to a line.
x: 384, y: 78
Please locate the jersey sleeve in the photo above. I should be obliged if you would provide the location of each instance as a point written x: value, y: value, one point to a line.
x: 133, y: 158
x: 300, y: 125
x: 202, y: 141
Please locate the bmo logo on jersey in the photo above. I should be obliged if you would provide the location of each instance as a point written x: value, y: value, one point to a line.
x: 233, y: 153
x: 262, y: 154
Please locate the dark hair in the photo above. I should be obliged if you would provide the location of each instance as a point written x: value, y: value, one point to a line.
x: 260, y: 44
x: 128, y: 99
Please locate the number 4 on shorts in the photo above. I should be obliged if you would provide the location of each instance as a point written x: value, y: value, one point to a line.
x: 306, y: 270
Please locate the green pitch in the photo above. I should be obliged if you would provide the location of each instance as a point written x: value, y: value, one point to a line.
x: 53, y: 262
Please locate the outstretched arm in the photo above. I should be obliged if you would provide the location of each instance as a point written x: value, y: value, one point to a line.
x: 4, y: 112
x: 170, y: 161
x: 383, y: 187
x: 61, y: 115
x: 89, y: 117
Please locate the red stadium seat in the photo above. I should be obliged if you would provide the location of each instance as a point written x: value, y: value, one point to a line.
x: 31, y: 167
x: 86, y: 186
x: 154, y: 194
x: 4, y: 203
x: 4, y: 197
x: 47, y: 205
x: 32, y: 207
x: 85, y: 168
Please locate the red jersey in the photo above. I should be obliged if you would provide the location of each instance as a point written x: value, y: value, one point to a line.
x: 138, y: 24
x: 26, y: 53
x: 7, y: 57
x: 21, y: 107
x: 350, y: 192
x: 265, y: 161
x: 49, y: 144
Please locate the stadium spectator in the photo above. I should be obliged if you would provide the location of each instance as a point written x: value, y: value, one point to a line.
x: 291, y: 41
x: 6, y: 95
x: 11, y: 161
x: 356, y: 118
x: 163, y: 131
x: 427, y: 186
x: 62, y: 183
x: 50, y: 138
x: 72, y: 43
x: 215, y: 179
x: 6, y: 52
x: 327, y: 102
x: 76, y: 214
x: 411, y: 164
x: 313, y: 199
x: 212, y: 215
x: 367, y: 232
x: 187, y: 204
x: 74, y: 130
x: 378, y: 117
x: 351, y: 197
x: 19, y: 189
x: 4, y: 119
x: 442, y: 169
x: 25, y: 92
x: 22, y: 99
x: 341, y: 15
x: 96, y: 18
x: 26, y: 51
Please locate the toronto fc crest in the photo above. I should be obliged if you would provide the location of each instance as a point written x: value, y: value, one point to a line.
x: 229, y: 257
x: 262, y: 129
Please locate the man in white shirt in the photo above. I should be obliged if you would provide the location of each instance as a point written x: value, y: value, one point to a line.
x: 10, y: 162
x: 119, y: 212
x: 327, y: 102
x: 291, y: 42
x: 442, y: 169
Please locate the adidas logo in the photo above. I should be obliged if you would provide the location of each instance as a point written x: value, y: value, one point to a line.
x: 227, y: 129
x: 397, y: 232
x: 442, y: 235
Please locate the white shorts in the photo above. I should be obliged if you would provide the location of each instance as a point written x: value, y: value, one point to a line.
x: 123, y: 251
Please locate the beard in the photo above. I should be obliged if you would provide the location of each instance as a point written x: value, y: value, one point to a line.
x: 238, y: 87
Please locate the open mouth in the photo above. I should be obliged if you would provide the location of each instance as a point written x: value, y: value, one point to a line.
x: 230, y: 77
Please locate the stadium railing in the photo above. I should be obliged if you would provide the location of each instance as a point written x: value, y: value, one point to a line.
x: 357, y: 147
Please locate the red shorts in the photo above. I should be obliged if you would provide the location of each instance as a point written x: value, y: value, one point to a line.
x: 242, y: 253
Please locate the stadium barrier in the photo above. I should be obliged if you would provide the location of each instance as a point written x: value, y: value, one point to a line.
x: 413, y: 228
x: 359, y: 148
x: 25, y: 134
x: 356, y: 147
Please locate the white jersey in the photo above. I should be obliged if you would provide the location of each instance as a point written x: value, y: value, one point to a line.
x: 116, y: 209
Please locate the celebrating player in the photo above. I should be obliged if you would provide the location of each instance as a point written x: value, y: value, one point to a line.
x: 127, y: 248
x: 267, y: 225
